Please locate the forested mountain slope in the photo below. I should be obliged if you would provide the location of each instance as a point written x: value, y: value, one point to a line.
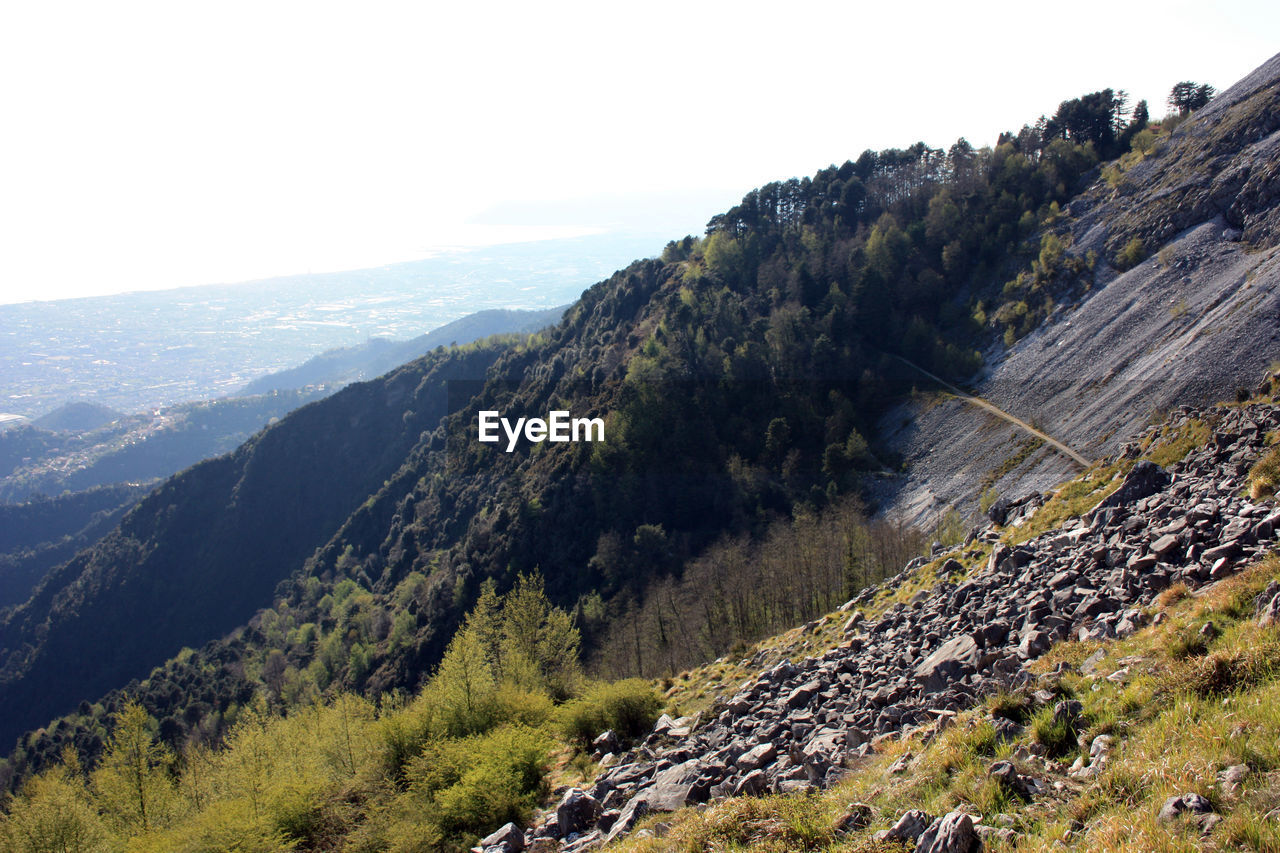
x: 740, y: 378
x: 199, y: 555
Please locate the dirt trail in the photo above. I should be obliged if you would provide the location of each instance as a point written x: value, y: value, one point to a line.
x: 1001, y: 413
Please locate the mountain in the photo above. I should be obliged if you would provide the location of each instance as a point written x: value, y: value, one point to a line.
x: 1190, y: 319
x: 82, y: 452
x: 94, y: 446
x: 197, y: 556
x: 743, y: 379
x: 36, y: 461
x: 41, y: 533
x: 76, y: 417
x: 379, y: 355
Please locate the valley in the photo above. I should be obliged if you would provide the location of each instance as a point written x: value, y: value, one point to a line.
x: 795, y: 597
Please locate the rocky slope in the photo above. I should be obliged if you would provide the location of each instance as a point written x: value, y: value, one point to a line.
x: 1199, y: 318
x: 909, y: 661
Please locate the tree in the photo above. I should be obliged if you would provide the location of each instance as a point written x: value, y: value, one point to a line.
x: 1140, y: 116
x: 133, y: 780
x: 1090, y: 118
x: 540, y: 644
x: 52, y: 814
x: 1188, y: 95
x: 464, y: 686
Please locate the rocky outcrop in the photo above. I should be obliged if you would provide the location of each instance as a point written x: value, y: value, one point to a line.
x: 1194, y: 322
x: 794, y: 726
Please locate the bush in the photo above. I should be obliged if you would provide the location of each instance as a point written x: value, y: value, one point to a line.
x: 475, y: 784
x: 1131, y: 255
x: 628, y: 707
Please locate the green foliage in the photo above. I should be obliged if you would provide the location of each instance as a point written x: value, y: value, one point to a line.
x: 133, y: 783
x: 1133, y: 253
x: 54, y: 814
x: 1186, y: 96
x: 628, y: 707
x: 475, y: 784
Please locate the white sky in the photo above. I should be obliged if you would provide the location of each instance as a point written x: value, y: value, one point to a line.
x: 148, y: 145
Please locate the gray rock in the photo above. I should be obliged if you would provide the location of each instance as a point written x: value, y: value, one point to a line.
x: 954, y: 659
x: 1143, y: 480
x: 1269, y: 614
x: 508, y: 839
x: 1184, y: 804
x: 1008, y: 776
x: 757, y: 757
x: 607, y: 742
x: 677, y: 786
x: 856, y: 816
x: 636, y: 808
x: 753, y: 784
x: 910, y: 826
x: 952, y: 833
x: 577, y: 812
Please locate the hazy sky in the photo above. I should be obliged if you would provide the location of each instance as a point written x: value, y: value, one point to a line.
x: 163, y: 144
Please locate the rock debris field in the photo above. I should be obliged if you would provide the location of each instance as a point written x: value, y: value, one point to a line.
x: 793, y: 727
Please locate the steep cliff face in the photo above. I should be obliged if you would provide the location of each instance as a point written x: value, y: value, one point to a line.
x: 1196, y: 320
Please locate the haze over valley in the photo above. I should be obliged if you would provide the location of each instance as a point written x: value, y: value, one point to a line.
x: 137, y: 351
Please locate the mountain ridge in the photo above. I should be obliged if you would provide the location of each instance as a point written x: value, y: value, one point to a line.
x: 739, y: 376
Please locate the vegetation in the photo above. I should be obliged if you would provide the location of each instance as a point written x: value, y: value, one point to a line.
x: 435, y: 772
x: 1176, y: 722
x: 741, y: 377
x: 1264, y: 476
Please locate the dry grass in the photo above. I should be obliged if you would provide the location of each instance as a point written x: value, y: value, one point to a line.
x: 1264, y: 477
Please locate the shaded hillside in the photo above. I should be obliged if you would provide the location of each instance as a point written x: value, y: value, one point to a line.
x: 203, y: 551
x: 353, y: 364
x: 136, y: 448
x: 77, y: 417
x: 37, y: 535
x: 1182, y: 308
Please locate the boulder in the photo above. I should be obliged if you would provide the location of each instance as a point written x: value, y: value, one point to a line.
x: 856, y: 816
x: 636, y: 808
x: 607, y: 742
x: 757, y: 757
x: 952, y: 833
x: 1184, y: 804
x: 956, y: 658
x: 508, y: 839
x: 909, y: 827
x: 1010, y: 779
x: 577, y: 812
x: 677, y: 787
x: 1143, y: 480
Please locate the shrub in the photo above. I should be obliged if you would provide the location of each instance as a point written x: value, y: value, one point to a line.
x: 472, y: 785
x: 1131, y: 255
x: 629, y: 707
